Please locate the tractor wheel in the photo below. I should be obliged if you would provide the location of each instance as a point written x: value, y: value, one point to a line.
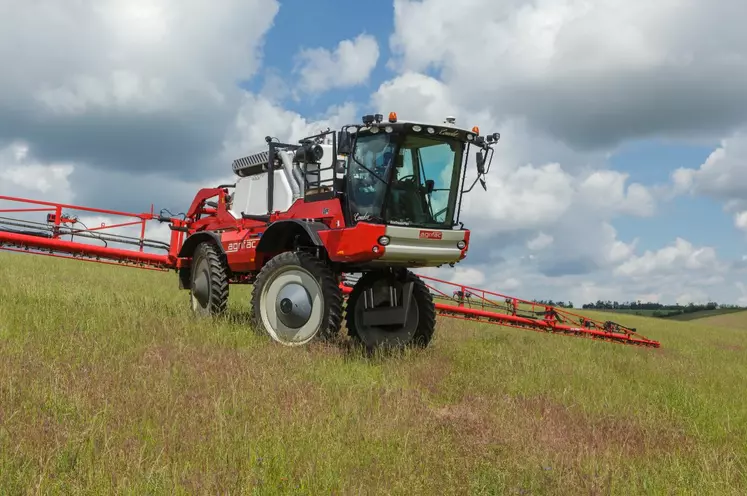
x: 297, y: 299
x: 421, y: 317
x: 209, y: 281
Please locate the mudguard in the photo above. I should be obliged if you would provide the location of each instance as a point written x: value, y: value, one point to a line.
x: 280, y: 234
x: 191, y: 243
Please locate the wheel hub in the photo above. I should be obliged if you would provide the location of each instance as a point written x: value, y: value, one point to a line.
x: 286, y: 306
x: 293, y: 305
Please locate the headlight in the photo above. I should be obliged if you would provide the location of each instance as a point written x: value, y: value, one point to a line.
x: 461, y: 245
x: 384, y: 240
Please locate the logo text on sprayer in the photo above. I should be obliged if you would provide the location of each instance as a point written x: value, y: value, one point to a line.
x: 247, y: 244
x: 431, y: 235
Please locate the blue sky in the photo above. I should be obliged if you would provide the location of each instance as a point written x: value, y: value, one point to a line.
x: 698, y: 219
x: 324, y: 25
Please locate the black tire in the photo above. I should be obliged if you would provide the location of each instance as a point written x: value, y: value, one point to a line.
x: 208, y: 281
x: 422, y: 311
x: 322, y: 301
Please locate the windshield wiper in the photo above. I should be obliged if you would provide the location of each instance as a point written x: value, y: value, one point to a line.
x: 369, y: 170
x: 428, y: 200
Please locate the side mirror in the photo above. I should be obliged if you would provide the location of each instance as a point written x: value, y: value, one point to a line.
x: 429, y: 185
x: 340, y: 167
x: 480, y: 163
x: 482, y: 183
x: 345, y: 143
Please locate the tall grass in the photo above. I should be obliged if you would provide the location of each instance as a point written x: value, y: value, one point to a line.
x: 107, y: 384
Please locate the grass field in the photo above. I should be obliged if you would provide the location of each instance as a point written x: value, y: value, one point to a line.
x: 108, y: 385
x: 732, y: 320
x: 642, y: 313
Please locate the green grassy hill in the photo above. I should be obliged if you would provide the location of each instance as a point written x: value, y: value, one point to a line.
x: 108, y: 384
x: 736, y: 315
x: 730, y: 320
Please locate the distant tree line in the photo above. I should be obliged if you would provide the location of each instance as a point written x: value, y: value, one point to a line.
x: 559, y: 304
x: 658, y: 309
x: 638, y: 305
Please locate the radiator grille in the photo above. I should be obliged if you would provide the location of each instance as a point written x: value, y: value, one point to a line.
x: 254, y: 160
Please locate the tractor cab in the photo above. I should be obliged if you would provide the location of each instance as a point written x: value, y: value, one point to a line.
x: 408, y: 174
x: 406, y: 177
x: 394, y: 173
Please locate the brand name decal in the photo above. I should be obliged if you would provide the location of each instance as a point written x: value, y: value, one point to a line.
x: 449, y: 132
x: 247, y: 244
x: 431, y: 235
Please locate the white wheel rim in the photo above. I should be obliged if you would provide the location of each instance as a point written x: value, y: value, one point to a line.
x: 274, y: 326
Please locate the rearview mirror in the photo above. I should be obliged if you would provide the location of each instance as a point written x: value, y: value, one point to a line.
x: 482, y: 183
x: 480, y: 163
x: 345, y: 146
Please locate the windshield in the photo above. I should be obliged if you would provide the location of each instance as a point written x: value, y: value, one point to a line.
x: 424, y: 173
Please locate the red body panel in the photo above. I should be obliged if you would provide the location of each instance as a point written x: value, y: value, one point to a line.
x: 354, y: 244
x: 240, y: 237
x: 240, y: 248
x: 347, y: 245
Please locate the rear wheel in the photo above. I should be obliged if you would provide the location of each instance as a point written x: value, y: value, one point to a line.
x: 208, y: 281
x: 297, y: 299
x: 377, y: 290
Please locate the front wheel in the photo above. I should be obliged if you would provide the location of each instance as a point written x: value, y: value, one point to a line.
x: 381, y: 290
x: 208, y: 281
x: 297, y: 299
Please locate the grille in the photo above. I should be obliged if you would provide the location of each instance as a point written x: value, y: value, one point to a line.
x: 254, y: 160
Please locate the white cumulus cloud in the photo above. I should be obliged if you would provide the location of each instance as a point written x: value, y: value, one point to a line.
x: 740, y: 221
x: 680, y: 256
x: 590, y: 73
x: 540, y: 242
x: 22, y: 175
x: 723, y: 176
x: 349, y: 64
